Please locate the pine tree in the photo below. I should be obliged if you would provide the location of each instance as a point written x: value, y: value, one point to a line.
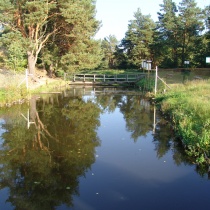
x: 69, y: 24
x: 167, y: 34
x: 138, y: 39
x: 191, y: 24
x: 77, y: 48
x: 109, y: 45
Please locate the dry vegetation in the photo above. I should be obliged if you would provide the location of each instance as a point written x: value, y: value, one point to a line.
x: 9, y: 78
x: 13, y: 86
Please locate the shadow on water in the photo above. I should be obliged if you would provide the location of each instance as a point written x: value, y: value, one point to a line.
x: 48, y: 144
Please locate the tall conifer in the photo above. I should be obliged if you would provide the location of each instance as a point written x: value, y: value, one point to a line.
x: 138, y: 39
x: 70, y: 25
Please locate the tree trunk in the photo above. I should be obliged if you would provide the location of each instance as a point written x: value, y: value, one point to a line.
x: 31, y: 63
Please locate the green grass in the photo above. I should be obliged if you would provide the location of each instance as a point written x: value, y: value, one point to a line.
x: 11, y: 88
x: 55, y: 86
x: 11, y: 95
x: 189, y: 108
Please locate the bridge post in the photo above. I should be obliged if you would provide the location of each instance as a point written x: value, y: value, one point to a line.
x: 94, y: 77
x: 104, y: 77
x: 84, y: 78
x: 74, y: 78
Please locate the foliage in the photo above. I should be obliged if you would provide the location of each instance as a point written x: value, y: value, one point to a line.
x: 15, y: 55
x: 179, y: 28
x: 189, y: 107
x: 108, y: 46
x: 59, y: 36
x: 86, y: 55
x: 136, y: 44
x: 64, y: 27
x: 180, y: 34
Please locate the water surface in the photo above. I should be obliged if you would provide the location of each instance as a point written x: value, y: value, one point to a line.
x: 95, y: 149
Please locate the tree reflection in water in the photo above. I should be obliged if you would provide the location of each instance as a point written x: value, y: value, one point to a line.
x: 41, y: 165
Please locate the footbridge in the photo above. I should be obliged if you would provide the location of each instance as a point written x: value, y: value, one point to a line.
x: 104, y: 79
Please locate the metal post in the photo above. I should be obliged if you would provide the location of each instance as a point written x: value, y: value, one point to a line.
x: 156, y: 76
x: 27, y: 79
x: 154, y: 122
x: 64, y: 75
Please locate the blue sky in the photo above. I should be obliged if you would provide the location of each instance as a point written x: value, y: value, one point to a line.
x: 115, y: 14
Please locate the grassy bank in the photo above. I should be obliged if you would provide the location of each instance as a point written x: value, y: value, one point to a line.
x: 188, y: 105
x: 13, y: 88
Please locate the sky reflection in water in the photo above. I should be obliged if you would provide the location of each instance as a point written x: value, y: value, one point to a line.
x: 129, y: 175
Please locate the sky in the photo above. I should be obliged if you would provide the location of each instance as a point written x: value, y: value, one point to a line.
x: 115, y: 14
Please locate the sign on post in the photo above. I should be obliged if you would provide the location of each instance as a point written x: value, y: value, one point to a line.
x: 207, y: 59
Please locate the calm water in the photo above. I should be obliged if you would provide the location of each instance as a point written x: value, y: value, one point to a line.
x: 95, y: 150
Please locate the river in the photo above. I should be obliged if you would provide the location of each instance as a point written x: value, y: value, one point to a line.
x: 95, y: 149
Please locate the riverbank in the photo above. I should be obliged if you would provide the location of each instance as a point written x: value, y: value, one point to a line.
x: 188, y: 106
x: 14, y: 88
